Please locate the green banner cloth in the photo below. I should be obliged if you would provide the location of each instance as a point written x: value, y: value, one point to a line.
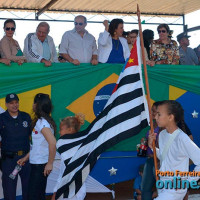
x: 75, y: 87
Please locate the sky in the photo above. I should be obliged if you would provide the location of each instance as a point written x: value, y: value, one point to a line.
x: 57, y: 29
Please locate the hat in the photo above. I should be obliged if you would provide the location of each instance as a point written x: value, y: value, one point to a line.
x: 11, y: 97
x: 182, y: 35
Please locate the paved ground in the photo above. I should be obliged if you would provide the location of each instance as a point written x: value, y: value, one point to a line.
x: 194, y: 197
x: 124, y: 191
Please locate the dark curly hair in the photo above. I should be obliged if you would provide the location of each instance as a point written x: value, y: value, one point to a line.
x: 9, y: 21
x: 114, y: 25
x: 43, y: 108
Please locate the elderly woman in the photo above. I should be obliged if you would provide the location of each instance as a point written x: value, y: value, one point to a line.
x: 112, y: 47
x: 9, y: 48
x: 164, y: 50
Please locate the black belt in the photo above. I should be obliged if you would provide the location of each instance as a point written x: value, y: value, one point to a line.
x: 12, y: 154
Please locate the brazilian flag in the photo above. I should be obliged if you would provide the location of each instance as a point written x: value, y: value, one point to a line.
x: 86, y: 89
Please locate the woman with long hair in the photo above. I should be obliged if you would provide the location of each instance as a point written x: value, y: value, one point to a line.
x: 43, y: 146
x: 148, y: 36
x: 43, y: 149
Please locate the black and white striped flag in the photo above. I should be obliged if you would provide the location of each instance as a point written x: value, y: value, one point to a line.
x: 124, y: 116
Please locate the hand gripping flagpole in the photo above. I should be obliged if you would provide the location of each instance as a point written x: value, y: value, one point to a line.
x: 147, y: 86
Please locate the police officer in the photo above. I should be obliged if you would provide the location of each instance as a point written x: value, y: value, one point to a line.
x: 15, y: 131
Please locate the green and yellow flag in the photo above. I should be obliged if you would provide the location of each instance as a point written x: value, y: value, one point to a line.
x: 86, y: 89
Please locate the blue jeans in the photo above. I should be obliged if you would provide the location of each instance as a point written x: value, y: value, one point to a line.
x: 148, y: 179
x: 9, y: 185
x: 38, y: 182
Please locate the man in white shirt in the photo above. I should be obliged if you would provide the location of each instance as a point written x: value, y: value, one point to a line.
x: 79, y: 46
x: 40, y: 47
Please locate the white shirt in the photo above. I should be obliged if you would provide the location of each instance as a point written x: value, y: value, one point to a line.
x: 33, y: 48
x: 179, y: 152
x: 77, y: 47
x: 39, y: 152
x: 105, y: 47
x: 1, y: 110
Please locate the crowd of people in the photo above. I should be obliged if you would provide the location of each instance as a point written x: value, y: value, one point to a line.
x: 32, y: 145
x: 79, y: 46
x: 37, y: 154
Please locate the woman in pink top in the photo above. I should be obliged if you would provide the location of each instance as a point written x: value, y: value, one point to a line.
x: 9, y: 48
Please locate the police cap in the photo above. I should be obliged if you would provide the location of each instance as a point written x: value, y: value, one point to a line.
x: 11, y: 97
x: 182, y: 35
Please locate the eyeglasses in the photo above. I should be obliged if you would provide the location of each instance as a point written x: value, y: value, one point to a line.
x: 163, y: 31
x: 10, y: 28
x: 80, y: 24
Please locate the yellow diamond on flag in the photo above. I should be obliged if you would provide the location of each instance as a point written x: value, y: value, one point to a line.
x: 175, y: 93
x: 26, y: 98
x: 84, y: 104
x: 151, y: 100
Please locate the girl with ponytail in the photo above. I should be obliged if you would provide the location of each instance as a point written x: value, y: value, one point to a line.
x: 175, y: 149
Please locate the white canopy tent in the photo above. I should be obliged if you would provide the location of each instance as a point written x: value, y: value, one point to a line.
x: 162, y: 8
x: 149, y: 7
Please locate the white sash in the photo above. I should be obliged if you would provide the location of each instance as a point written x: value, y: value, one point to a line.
x: 168, y: 144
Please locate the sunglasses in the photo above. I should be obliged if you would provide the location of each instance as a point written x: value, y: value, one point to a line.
x: 80, y: 24
x: 163, y: 31
x: 8, y: 29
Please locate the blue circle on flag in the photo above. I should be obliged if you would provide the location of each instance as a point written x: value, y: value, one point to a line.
x: 102, y: 97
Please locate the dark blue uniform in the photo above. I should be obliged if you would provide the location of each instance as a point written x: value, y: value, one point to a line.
x: 15, y: 144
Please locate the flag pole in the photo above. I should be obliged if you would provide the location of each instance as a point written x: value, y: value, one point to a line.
x: 147, y: 86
